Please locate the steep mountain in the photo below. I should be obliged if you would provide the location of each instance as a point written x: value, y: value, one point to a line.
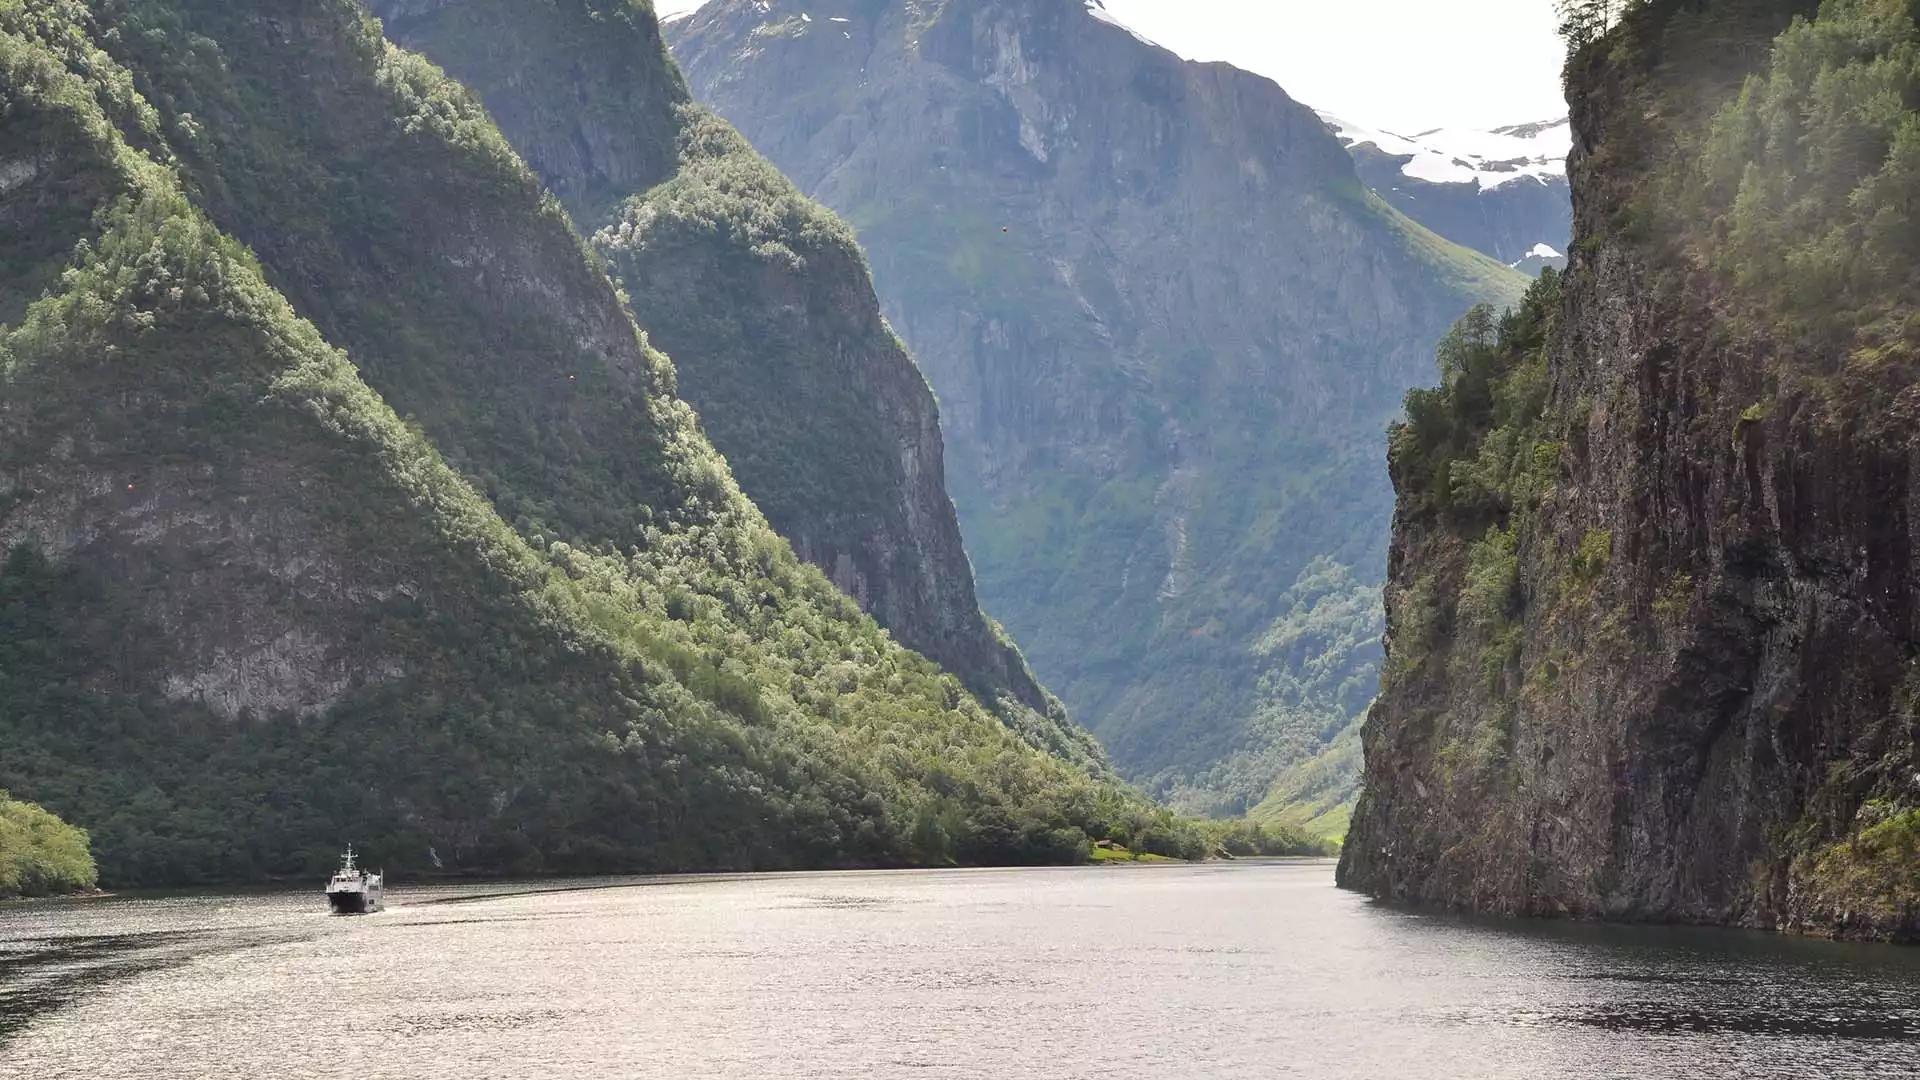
x: 341, y: 499
x: 1653, y: 596
x: 1501, y: 192
x: 764, y: 301
x: 1166, y: 323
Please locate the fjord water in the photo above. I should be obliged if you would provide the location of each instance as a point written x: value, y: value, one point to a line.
x: 1235, y: 970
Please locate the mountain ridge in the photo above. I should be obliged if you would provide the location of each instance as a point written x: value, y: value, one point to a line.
x: 765, y: 302
x: 1039, y: 193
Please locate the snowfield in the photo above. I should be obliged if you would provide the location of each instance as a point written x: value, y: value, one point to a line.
x: 1489, y: 159
x: 1098, y: 9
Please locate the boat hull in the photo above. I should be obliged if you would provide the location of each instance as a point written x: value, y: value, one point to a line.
x: 353, y: 902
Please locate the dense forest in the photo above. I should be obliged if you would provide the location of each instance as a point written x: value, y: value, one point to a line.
x: 343, y: 500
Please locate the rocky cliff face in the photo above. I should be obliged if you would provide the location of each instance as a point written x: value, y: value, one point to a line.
x: 341, y: 497
x: 1166, y: 323
x: 1652, y: 621
x: 765, y: 303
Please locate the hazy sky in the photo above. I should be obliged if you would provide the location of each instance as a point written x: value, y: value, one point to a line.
x: 1405, y: 65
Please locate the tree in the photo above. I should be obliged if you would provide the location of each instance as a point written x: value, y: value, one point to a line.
x: 1582, y: 22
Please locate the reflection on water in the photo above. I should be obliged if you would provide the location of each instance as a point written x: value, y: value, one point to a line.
x: 40, y: 976
x: 1242, y: 970
x: 1833, y: 1023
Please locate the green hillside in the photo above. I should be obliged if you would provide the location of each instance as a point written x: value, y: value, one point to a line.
x: 764, y: 301
x: 343, y: 501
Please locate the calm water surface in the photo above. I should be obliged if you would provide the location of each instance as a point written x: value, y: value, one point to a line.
x: 1237, y: 970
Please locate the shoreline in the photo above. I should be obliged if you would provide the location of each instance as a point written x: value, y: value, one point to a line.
x: 580, y: 882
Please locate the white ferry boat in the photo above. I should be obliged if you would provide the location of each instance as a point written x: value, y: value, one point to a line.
x: 353, y: 891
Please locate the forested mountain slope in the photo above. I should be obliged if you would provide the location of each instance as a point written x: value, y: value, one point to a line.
x: 341, y: 499
x: 1653, y: 598
x: 764, y: 301
x: 1167, y: 325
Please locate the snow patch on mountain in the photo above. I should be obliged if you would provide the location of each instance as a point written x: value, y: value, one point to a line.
x: 1098, y: 9
x: 1488, y: 159
x: 1541, y: 257
x: 673, y: 10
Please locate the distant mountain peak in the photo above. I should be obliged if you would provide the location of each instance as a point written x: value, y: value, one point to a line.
x: 1098, y: 9
x: 1501, y: 191
x: 1538, y: 128
x: 1486, y: 159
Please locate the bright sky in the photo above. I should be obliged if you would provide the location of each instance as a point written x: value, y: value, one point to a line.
x: 1403, y: 65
